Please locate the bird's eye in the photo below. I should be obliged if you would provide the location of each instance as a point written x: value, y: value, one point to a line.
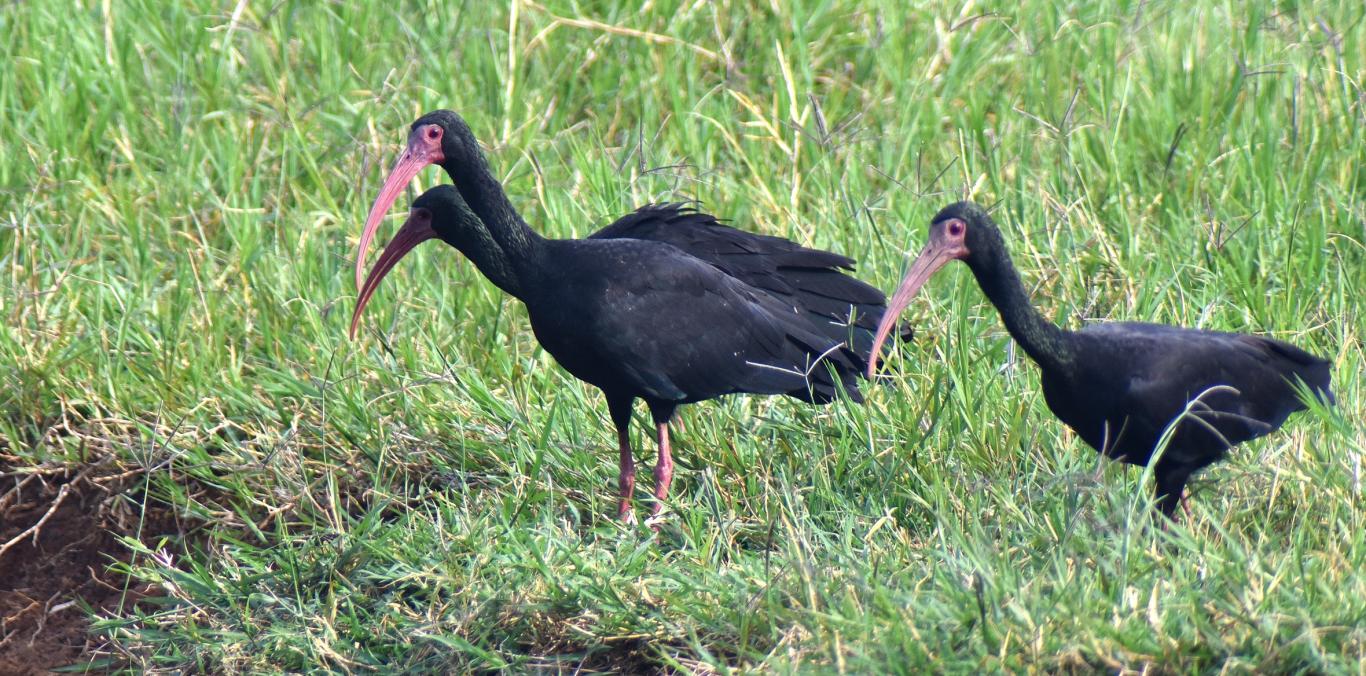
x: 433, y: 132
x: 956, y: 228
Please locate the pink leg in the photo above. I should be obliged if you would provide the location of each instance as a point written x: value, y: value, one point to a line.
x: 626, y: 480
x: 664, y: 469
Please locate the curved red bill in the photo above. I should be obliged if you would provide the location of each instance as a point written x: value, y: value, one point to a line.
x: 931, y: 258
x: 416, y: 230
x: 421, y: 151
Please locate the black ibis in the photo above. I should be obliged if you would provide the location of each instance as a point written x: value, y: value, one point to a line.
x: 666, y: 304
x: 1120, y: 385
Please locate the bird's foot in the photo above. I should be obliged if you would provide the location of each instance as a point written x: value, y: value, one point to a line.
x: 657, y: 517
x: 625, y: 514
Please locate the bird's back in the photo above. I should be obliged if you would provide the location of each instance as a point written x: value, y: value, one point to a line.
x: 645, y: 318
x: 1135, y: 379
x: 814, y: 281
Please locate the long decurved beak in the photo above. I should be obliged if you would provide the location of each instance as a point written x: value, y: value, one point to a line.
x: 931, y: 258
x: 415, y: 157
x: 416, y: 230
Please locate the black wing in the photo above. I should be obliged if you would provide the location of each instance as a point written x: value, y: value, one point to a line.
x: 837, y: 305
x: 687, y: 332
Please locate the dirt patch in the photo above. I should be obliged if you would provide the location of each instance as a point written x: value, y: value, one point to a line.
x: 69, y: 521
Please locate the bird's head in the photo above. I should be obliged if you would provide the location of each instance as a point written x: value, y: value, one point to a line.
x: 961, y: 231
x: 439, y: 137
x: 965, y: 231
x: 439, y: 213
x: 446, y: 133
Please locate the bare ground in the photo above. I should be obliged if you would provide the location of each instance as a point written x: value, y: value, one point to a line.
x: 59, y: 529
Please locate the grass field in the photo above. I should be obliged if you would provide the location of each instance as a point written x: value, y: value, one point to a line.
x: 183, y: 186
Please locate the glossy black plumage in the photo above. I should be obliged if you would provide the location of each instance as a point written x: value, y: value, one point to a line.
x: 1120, y: 385
x: 811, y: 278
x: 666, y: 304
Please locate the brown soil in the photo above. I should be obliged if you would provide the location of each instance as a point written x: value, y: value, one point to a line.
x: 44, y: 580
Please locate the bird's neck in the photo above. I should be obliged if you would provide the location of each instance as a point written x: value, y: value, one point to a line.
x: 484, y: 250
x: 516, y: 247
x: 1041, y: 339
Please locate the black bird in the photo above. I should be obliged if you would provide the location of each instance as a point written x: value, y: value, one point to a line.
x: 1120, y: 385
x: 666, y: 304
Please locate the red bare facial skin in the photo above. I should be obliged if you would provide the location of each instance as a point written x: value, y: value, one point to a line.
x: 947, y: 243
x: 424, y: 148
x: 416, y: 230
